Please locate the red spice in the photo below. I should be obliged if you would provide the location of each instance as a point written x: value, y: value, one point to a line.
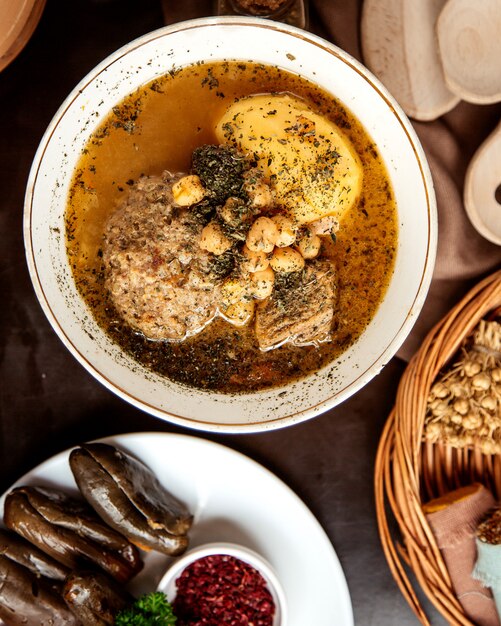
x: 221, y: 589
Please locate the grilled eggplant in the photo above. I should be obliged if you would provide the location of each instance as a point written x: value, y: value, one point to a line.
x: 95, y: 598
x: 25, y: 553
x: 128, y: 497
x: 69, y: 531
x: 30, y: 600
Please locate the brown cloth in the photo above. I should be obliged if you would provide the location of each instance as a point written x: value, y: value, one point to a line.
x: 463, y: 255
x: 454, y: 528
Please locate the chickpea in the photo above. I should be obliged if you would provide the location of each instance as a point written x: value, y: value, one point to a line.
x: 287, y: 260
x: 240, y: 313
x: 309, y: 244
x: 258, y: 191
x: 214, y: 240
x: 325, y: 225
x: 262, y: 283
x: 254, y: 261
x: 262, y: 235
x: 286, y: 233
x: 188, y: 190
x: 233, y: 290
x: 234, y: 212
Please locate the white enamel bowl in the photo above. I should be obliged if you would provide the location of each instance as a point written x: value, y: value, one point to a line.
x: 215, y: 39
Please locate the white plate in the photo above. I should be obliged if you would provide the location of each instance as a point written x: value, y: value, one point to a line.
x: 234, y: 499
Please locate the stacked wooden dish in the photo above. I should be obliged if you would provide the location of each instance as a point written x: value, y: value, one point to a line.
x: 433, y: 54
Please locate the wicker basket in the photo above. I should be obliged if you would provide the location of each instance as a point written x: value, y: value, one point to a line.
x: 409, y: 472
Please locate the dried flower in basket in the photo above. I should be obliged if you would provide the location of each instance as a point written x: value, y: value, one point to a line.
x: 488, y: 566
x: 464, y: 404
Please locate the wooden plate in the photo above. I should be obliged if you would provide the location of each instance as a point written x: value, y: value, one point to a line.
x: 482, y: 197
x: 399, y: 45
x: 18, y: 20
x: 469, y: 38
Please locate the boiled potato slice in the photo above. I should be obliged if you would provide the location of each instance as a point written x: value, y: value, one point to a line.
x: 312, y: 167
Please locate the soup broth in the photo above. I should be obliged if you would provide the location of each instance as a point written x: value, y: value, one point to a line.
x: 156, y: 129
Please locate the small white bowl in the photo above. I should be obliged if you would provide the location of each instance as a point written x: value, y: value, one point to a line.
x: 168, y: 583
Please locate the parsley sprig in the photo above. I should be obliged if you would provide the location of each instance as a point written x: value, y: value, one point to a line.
x: 152, y: 609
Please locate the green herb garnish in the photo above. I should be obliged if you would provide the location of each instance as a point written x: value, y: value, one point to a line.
x: 221, y: 171
x: 152, y: 609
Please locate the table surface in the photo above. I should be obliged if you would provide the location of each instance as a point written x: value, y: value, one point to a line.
x: 48, y: 402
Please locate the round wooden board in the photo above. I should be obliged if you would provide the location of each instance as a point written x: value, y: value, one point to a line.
x: 482, y: 191
x: 399, y: 45
x: 469, y: 39
x: 18, y: 20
